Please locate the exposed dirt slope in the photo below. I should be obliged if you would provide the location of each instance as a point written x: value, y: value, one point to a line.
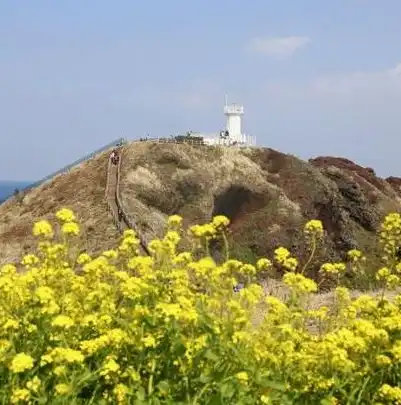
x: 267, y: 195
x: 82, y: 189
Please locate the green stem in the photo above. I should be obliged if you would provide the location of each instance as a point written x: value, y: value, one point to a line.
x: 207, y: 246
x: 311, y: 255
x: 150, y: 384
x: 198, y: 396
x: 226, y: 247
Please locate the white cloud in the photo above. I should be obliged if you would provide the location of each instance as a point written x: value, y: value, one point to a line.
x: 278, y: 47
x: 352, y: 86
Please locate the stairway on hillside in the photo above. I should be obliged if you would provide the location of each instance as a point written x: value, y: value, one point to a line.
x: 112, y: 202
x: 111, y: 195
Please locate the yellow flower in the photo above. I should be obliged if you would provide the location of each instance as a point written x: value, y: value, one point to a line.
x: 383, y: 273
x: 263, y: 264
x: 34, y: 384
x: 21, y: 362
x: 202, y: 231
x: 70, y: 228
x: 83, y: 258
x: 283, y: 257
x: 174, y: 222
x: 389, y: 393
x: 333, y: 268
x: 111, y: 254
x: 220, y: 222
x: 62, y: 389
x: 20, y: 395
x: 354, y: 254
x: 382, y: 360
x: 300, y: 282
x: 129, y: 233
x: 61, y: 354
x: 43, y: 228
x: 63, y: 321
x: 65, y: 215
x: 314, y: 227
x: 8, y: 270
x: 120, y: 391
x: 281, y: 254
x: 242, y: 376
x: 265, y: 400
x: 149, y: 341
x: 30, y: 260
x: 128, y: 319
x: 110, y: 366
x: 60, y: 370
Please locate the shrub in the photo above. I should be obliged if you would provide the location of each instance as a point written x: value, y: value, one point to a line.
x: 170, y: 329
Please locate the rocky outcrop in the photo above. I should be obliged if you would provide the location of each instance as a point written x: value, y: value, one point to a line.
x: 267, y: 195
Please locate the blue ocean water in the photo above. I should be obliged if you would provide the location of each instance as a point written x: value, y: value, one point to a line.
x: 7, y: 188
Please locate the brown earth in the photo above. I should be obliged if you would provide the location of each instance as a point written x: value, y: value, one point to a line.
x: 267, y: 195
x: 82, y: 189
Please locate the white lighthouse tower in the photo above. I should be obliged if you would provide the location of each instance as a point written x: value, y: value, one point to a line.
x: 232, y: 135
x: 234, y: 113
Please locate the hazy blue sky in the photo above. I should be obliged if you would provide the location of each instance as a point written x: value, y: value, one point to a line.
x: 316, y: 77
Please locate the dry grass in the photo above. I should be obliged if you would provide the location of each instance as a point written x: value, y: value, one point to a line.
x: 267, y: 195
x: 163, y: 179
x: 82, y: 190
x: 277, y: 289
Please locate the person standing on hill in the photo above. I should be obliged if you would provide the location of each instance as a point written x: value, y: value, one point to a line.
x: 114, y: 156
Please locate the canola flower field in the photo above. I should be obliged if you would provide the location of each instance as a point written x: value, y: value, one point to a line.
x: 169, y: 328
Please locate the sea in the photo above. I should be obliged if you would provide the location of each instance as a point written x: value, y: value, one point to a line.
x: 7, y: 188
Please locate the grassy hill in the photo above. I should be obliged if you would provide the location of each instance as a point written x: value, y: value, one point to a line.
x: 267, y: 195
x: 82, y: 189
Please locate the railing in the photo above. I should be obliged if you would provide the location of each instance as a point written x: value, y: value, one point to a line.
x: 118, y: 142
x: 128, y: 221
x: 172, y: 140
x: 251, y: 142
x: 114, y: 214
x: 67, y: 168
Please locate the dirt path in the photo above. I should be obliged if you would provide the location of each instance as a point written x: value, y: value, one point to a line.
x: 113, y: 175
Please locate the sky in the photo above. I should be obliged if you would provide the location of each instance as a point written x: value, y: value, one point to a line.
x: 315, y: 77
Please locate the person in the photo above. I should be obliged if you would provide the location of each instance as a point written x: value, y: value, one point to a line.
x: 120, y: 214
x: 237, y: 288
x: 114, y: 156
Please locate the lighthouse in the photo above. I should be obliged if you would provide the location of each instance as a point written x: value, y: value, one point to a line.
x: 232, y: 135
x: 234, y: 113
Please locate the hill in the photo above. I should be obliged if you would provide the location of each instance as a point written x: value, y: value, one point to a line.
x: 268, y: 196
x: 82, y: 189
x: 7, y: 188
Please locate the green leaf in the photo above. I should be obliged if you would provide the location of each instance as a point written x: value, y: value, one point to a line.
x: 163, y: 386
x: 274, y: 385
x: 227, y: 390
x: 205, y: 378
x: 216, y: 400
x: 140, y: 395
x: 211, y: 356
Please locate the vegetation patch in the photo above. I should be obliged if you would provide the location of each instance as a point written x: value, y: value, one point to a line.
x: 179, y: 327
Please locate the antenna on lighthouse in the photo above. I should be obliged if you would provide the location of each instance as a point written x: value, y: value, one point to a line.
x: 226, y: 100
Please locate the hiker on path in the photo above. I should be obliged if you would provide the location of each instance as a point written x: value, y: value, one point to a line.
x: 120, y: 214
x: 114, y: 156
